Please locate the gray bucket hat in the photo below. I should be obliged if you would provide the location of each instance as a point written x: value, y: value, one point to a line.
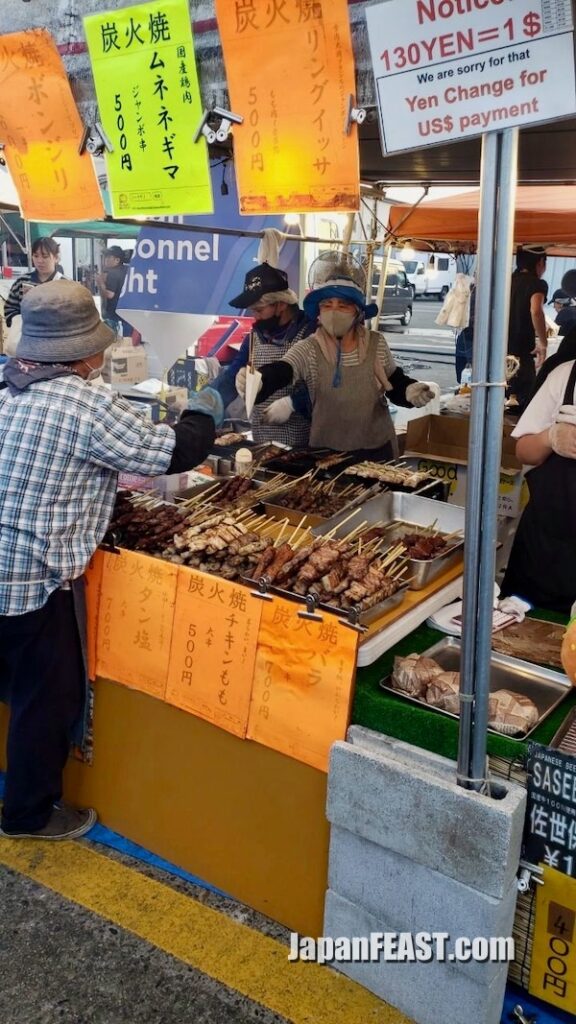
x: 60, y: 324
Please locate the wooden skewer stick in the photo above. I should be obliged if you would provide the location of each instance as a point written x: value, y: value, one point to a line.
x: 300, y: 540
x: 280, y: 535
x: 296, y: 528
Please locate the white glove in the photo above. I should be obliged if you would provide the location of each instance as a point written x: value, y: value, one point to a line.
x: 279, y: 411
x: 419, y: 394
x: 562, y: 439
x: 240, y: 382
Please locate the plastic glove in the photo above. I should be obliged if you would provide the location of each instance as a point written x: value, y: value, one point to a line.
x: 279, y: 411
x: 562, y: 439
x: 419, y: 394
x: 240, y: 382
x: 566, y: 414
x: 209, y: 402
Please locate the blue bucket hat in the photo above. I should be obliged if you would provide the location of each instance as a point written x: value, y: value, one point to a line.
x: 338, y: 288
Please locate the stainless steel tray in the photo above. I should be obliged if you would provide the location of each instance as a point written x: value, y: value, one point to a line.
x: 543, y: 686
x: 565, y: 737
x: 352, y: 615
x: 411, y: 511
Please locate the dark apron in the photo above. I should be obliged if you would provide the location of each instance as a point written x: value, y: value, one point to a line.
x: 542, y: 565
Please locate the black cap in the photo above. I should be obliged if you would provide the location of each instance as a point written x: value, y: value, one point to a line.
x: 117, y: 251
x: 569, y: 283
x: 561, y: 296
x: 258, y: 282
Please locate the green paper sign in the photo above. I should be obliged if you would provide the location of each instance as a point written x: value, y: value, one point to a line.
x: 150, y: 107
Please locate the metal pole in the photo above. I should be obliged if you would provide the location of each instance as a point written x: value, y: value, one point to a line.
x: 496, y: 227
x: 28, y: 243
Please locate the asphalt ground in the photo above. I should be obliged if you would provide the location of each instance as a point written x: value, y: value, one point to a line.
x: 424, y: 350
x: 93, y: 936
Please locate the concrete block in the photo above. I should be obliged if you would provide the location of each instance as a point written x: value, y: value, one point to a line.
x: 411, y: 807
x: 428, y: 993
x: 404, y: 896
x: 378, y: 743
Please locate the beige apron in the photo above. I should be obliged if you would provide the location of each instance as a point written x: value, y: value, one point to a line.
x: 354, y: 415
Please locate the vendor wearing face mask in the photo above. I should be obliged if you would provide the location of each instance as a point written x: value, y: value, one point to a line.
x: 349, y: 371
x: 278, y: 324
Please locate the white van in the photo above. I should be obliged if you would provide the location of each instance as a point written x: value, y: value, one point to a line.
x: 440, y: 275
x: 416, y: 274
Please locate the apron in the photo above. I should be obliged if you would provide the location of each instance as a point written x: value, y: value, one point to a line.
x: 542, y: 565
x: 354, y: 415
x: 296, y: 431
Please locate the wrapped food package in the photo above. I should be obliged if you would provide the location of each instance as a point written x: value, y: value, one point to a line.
x: 511, y: 713
x: 411, y: 675
x: 444, y: 692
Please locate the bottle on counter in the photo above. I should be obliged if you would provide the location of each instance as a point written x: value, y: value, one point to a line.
x: 243, y: 462
x: 466, y: 380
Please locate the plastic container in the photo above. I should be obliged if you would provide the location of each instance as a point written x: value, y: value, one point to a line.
x: 243, y: 461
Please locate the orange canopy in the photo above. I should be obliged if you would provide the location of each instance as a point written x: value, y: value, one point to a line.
x: 545, y: 215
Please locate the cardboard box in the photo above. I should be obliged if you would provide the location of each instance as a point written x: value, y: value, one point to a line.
x: 125, y: 364
x: 439, y: 445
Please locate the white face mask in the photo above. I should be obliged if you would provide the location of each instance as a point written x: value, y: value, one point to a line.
x: 336, y: 322
x: 94, y: 372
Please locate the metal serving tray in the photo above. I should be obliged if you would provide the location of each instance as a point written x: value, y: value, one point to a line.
x: 565, y: 738
x: 352, y: 615
x: 410, y: 511
x: 543, y: 686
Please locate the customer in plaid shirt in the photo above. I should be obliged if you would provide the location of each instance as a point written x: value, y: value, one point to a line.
x: 62, y: 444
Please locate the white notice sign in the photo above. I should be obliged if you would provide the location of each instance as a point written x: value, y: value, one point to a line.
x: 449, y: 69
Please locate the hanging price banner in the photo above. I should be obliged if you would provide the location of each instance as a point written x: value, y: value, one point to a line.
x: 292, y: 151
x: 135, y: 618
x: 41, y: 130
x: 213, y: 650
x: 302, y: 683
x: 147, y: 87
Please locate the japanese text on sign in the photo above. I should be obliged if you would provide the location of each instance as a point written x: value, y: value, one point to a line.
x: 446, y: 69
x: 147, y: 87
x: 213, y: 650
x: 551, y: 815
x: 135, y: 620
x: 553, y: 966
x: 302, y: 683
x: 291, y: 153
x: 41, y: 130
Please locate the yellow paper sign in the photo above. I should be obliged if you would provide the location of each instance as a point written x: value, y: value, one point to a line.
x: 213, y: 650
x: 135, y: 621
x: 41, y: 130
x: 93, y: 578
x: 553, y: 967
x: 147, y: 87
x: 302, y: 683
x: 292, y: 151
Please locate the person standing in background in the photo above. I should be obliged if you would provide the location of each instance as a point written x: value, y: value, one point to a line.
x: 110, y: 283
x: 527, y: 322
x: 45, y: 257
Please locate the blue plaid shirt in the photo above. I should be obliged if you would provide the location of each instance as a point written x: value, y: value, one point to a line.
x: 62, y: 444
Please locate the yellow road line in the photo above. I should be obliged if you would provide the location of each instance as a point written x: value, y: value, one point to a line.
x: 231, y: 953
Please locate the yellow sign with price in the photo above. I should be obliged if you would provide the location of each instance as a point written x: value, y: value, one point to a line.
x: 553, y: 968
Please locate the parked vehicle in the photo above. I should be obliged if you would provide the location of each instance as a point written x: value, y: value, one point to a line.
x: 440, y: 275
x: 416, y: 274
x: 398, y: 294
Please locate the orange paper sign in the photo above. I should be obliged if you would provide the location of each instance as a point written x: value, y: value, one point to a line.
x: 292, y: 151
x: 135, y: 621
x: 41, y: 130
x: 213, y: 650
x: 93, y: 577
x: 302, y: 683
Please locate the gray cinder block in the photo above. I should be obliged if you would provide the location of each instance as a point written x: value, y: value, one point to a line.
x: 404, y: 896
x: 412, y: 807
x: 428, y: 993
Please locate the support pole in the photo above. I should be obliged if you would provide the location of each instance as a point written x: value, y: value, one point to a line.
x: 495, y: 243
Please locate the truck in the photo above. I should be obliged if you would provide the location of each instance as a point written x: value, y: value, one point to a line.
x: 431, y: 274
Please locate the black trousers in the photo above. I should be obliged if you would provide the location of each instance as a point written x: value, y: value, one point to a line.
x: 42, y: 668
